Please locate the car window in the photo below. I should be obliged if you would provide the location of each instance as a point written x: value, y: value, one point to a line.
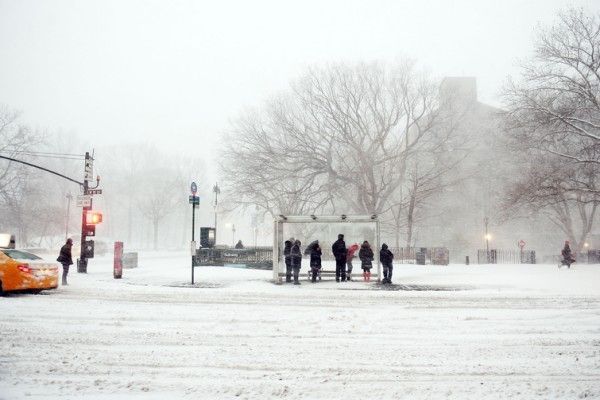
x: 20, y: 255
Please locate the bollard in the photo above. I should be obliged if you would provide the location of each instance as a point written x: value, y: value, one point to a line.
x: 467, y: 260
x: 118, y: 261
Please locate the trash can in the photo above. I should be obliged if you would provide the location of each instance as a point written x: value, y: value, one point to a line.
x: 421, y: 255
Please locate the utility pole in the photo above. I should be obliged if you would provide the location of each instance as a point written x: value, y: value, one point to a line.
x: 69, y: 198
x: 217, y: 191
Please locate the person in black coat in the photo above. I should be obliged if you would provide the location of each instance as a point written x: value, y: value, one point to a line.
x: 567, y: 255
x: 239, y: 244
x: 288, y: 260
x: 65, y: 259
x: 296, y: 255
x: 386, y: 257
x: 366, y: 259
x: 315, y: 261
x: 340, y: 253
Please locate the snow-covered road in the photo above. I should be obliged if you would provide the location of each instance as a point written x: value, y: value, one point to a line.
x: 488, y: 332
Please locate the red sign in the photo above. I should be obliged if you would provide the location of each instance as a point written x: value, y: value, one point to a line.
x: 521, y: 243
x: 118, y: 263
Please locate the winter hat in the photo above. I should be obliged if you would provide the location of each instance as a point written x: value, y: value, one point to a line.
x: 341, y: 236
x: 384, y: 246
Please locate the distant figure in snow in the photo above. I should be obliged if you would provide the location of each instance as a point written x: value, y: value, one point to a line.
x: 366, y: 259
x: 296, y: 255
x: 315, y: 261
x: 65, y: 259
x: 351, y: 250
x: 339, y: 252
x: 386, y: 257
x: 239, y: 244
x: 287, y: 255
x: 567, y: 255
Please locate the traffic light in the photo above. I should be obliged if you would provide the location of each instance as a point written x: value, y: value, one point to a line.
x: 93, y: 218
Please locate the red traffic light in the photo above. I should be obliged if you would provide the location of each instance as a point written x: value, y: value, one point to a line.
x: 93, y: 217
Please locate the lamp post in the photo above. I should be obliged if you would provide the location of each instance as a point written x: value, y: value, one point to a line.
x: 233, y: 235
x: 232, y: 226
x: 487, y: 239
x: 69, y: 198
x: 216, y: 191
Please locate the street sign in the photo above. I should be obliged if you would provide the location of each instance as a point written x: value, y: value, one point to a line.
x: 195, y: 200
x: 521, y: 243
x: 84, y: 201
x: 194, y: 188
x: 89, y: 168
x: 94, y: 191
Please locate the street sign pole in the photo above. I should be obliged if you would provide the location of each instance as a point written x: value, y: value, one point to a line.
x: 194, y: 200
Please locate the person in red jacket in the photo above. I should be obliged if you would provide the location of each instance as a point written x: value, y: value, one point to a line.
x: 351, y: 251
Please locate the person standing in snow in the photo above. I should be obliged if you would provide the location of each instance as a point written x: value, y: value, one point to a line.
x: 351, y: 250
x: 315, y: 261
x: 567, y: 255
x: 296, y: 255
x: 287, y: 256
x: 239, y: 244
x: 339, y: 252
x: 366, y: 259
x: 386, y: 257
x: 65, y: 259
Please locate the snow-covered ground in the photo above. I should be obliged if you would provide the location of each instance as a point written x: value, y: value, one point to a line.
x: 464, y: 332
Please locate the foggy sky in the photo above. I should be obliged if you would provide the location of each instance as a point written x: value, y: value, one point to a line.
x: 175, y: 72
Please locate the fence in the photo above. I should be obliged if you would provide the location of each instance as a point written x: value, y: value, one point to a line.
x: 589, y: 257
x: 503, y: 256
x: 262, y: 257
x: 251, y: 257
x: 421, y: 255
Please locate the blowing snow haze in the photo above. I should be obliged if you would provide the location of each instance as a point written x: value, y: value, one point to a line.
x: 159, y: 90
x: 174, y: 73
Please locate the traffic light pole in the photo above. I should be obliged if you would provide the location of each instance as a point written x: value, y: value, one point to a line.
x: 82, y: 262
x: 87, y: 247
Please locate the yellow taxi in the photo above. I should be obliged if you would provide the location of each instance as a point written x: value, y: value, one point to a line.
x: 21, y: 270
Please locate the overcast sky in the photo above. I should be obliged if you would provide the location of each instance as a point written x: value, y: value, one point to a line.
x: 174, y: 72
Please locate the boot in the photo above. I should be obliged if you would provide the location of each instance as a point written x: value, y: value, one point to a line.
x: 368, y: 276
x: 365, y: 276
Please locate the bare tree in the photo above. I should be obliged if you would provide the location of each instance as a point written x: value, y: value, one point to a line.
x: 554, y: 116
x: 339, y: 139
x: 15, y: 139
x: 555, y: 108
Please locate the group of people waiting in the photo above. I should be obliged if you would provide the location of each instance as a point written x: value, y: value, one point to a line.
x: 343, y: 260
